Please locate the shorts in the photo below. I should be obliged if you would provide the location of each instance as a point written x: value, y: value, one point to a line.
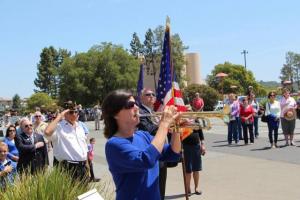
x: 192, y: 158
x: 288, y: 126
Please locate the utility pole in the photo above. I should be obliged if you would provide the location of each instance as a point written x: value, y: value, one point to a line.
x: 245, y: 52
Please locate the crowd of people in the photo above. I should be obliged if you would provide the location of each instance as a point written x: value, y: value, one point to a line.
x: 246, y: 113
x: 140, y: 147
x: 31, y: 145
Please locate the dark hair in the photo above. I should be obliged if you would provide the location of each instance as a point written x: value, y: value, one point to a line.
x: 7, y: 130
x: 92, y: 139
x: 112, y: 104
x: 270, y: 94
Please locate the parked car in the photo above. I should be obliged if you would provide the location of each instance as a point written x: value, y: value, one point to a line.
x: 219, y: 106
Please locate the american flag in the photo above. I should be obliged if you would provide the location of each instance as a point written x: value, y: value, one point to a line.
x: 168, y: 91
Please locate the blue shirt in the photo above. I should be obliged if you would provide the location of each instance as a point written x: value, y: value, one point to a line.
x: 9, y: 179
x: 133, y: 163
x: 12, y: 149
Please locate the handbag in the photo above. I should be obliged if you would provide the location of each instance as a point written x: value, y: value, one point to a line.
x: 264, y: 117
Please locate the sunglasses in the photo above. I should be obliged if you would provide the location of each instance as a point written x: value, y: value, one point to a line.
x: 12, y: 130
x: 37, y: 116
x: 72, y: 112
x: 130, y: 104
x: 273, y: 95
x: 28, y: 125
x: 150, y: 94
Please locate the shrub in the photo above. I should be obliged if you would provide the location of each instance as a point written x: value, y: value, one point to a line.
x: 51, y: 185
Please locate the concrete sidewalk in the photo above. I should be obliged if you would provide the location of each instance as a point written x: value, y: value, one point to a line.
x: 231, y: 177
x: 227, y: 176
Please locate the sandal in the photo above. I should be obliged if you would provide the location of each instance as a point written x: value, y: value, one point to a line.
x: 198, y: 192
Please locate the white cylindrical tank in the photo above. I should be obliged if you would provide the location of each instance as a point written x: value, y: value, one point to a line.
x: 193, y: 72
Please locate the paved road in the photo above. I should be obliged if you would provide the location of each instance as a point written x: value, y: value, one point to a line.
x: 232, y: 172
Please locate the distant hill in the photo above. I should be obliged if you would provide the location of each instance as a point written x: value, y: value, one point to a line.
x: 270, y: 84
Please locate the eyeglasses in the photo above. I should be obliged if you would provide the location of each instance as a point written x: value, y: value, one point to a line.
x: 12, y: 130
x: 150, y: 94
x: 130, y: 104
x: 72, y: 112
x: 28, y: 125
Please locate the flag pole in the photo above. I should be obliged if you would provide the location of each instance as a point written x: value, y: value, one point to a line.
x: 173, y: 96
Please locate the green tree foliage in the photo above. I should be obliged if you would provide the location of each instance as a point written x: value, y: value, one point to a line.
x: 153, y: 45
x: 16, y: 102
x: 88, y: 77
x: 209, y: 95
x: 237, y: 76
x: 291, y: 69
x: 47, y: 76
x: 41, y: 100
x: 136, y: 45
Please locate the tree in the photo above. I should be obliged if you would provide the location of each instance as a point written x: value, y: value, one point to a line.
x: 41, y: 100
x: 136, y: 45
x: 237, y: 76
x: 153, y: 45
x: 291, y: 69
x: 209, y: 95
x: 47, y: 76
x: 88, y: 77
x: 16, y: 100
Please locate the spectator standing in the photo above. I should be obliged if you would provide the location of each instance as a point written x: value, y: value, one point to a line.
x: 246, y: 114
x: 69, y: 142
x: 255, y: 106
x: 39, y: 126
x: 8, y: 168
x: 91, y: 153
x: 32, y: 148
x: 288, y: 116
x: 273, y: 115
x: 150, y: 125
x: 9, y: 140
x: 197, y: 103
x: 97, y: 113
x: 233, y: 121
x: 81, y: 113
x: 193, y: 148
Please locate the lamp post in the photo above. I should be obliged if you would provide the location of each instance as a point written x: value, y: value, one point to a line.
x: 245, y: 52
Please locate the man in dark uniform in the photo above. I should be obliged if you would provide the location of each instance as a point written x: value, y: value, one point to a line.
x: 151, y: 125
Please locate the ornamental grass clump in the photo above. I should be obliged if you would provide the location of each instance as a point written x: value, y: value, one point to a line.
x: 49, y: 185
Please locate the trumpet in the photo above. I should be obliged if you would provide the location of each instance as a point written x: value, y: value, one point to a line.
x: 195, y: 120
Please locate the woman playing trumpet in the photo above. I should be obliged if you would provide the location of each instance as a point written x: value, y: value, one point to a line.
x: 133, y: 155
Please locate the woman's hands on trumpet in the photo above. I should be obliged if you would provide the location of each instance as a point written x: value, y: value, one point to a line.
x: 169, y: 116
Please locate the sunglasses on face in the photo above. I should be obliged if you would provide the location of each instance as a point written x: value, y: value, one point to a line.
x: 38, y: 116
x: 130, y: 104
x: 28, y: 125
x: 12, y: 130
x: 272, y: 95
x: 150, y: 94
x: 72, y: 112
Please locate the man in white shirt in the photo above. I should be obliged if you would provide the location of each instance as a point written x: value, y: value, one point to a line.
x: 69, y: 142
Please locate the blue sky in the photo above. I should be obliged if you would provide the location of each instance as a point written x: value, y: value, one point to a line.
x: 217, y: 30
